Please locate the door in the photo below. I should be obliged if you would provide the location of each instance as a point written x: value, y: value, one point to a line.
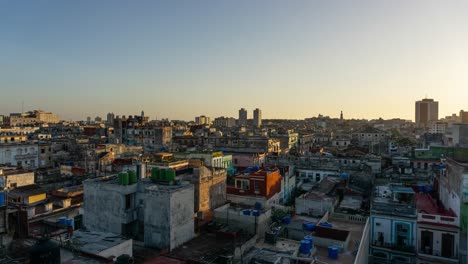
x: 447, y: 245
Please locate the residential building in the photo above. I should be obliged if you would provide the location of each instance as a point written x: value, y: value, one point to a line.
x: 257, y: 117
x: 24, y: 154
x: 437, y: 127
x: 438, y: 231
x: 262, y: 186
x: 463, y: 117
x: 160, y: 215
x: 393, y: 228
x: 427, y: 110
x: 242, y: 117
x: 12, y: 177
x: 202, y: 120
x: 452, y: 191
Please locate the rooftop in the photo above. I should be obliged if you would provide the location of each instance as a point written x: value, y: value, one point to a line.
x: 95, y: 242
x: 426, y: 204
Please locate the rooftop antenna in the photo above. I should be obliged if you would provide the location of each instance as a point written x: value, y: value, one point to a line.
x: 22, y: 107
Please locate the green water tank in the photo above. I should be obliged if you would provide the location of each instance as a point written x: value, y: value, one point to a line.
x: 125, y: 178
x: 119, y: 179
x: 154, y: 174
x: 170, y: 175
x: 162, y: 175
x: 132, y: 177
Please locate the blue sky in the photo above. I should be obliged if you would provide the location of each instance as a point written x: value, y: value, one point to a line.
x: 179, y: 59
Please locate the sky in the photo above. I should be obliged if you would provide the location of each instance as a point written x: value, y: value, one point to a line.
x: 180, y: 59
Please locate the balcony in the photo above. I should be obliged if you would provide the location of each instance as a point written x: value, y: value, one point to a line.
x: 26, y: 156
x: 438, y: 219
x: 437, y: 255
x: 394, y: 246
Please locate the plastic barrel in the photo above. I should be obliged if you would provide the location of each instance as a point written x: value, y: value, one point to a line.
x: 287, y: 220
x: 246, y: 212
x: 310, y: 239
x: 2, y: 198
x: 258, y: 206
x: 170, y: 175
x: 326, y: 224
x: 332, y: 252
x: 305, y: 247
x: 255, y: 212
x: 309, y: 226
x: 125, y: 179
x: 132, y: 177
x: 63, y: 220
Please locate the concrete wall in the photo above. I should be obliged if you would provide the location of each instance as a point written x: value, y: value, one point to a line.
x: 21, y: 179
x: 169, y: 220
x: 104, y: 205
x: 314, y: 207
x: 236, y: 219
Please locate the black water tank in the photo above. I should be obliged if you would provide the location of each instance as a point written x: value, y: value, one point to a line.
x: 45, y: 251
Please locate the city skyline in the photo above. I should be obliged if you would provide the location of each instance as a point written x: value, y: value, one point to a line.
x: 296, y: 60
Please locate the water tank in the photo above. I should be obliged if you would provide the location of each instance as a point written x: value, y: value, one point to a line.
x: 333, y: 252
x: 428, y: 189
x: 125, y: 179
x: 309, y: 226
x: 63, y: 220
x: 258, y: 205
x: 45, y: 252
x: 161, y: 175
x: 310, y: 239
x: 344, y: 175
x: 287, y: 220
x: 246, y: 212
x: 71, y: 222
x: 170, y: 175
x: 255, y: 212
x: 132, y: 177
x: 326, y: 224
x: 305, y: 247
x: 420, y: 188
x: 154, y: 174
x: 2, y: 198
x: 124, y: 259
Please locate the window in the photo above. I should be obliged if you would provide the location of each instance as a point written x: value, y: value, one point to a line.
x: 235, y: 161
x: 42, y: 151
x: 238, y: 184
x: 128, y: 201
x: 245, y: 185
x: 13, y: 185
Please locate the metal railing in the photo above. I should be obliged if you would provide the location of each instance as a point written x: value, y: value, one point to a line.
x: 394, y: 246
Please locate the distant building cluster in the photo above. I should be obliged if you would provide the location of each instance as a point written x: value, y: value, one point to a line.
x: 129, y: 189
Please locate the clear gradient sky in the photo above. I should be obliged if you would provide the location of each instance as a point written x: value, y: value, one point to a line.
x: 178, y: 59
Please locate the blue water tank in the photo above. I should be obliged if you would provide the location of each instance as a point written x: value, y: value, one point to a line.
x: 309, y: 226
x: 428, y: 189
x: 2, y: 198
x: 311, y: 239
x: 287, y: 220
x: 258, y: 205
x: 305, y: 247
x: 326, y: 224
x: 246, y: 212
x: 344, y: 175
x: 332, y: 252
x: 63, y: 220
x: 255, y: 212
x: 420, y: 188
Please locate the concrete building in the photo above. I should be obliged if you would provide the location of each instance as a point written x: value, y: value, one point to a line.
x: 263, y: 186
x: 437, y: 233
x: 427, y: 110
x: 458, y: 135
x: 24, y: 154
x: 257, y: 117
x: 437, y: 127
x: 463, y: 117
x: 393, y: 225
x: 452, y: 181
x: 242, y: 117
x: 160, y: 215
x: 11, y: 178
x: 224, y: 122
x: 202, y: 120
